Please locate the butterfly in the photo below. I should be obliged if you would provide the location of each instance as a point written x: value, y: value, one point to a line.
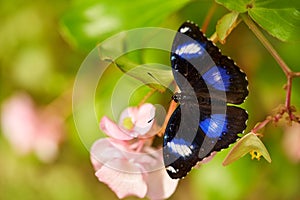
x: 203, y: 122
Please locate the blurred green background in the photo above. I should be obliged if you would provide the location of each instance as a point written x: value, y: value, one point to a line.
x: 43, y: 44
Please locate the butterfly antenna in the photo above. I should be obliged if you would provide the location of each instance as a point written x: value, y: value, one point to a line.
x: 154, y: 78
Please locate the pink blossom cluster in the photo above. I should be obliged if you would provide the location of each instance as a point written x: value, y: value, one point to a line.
x: 126, y: 161
x: 29, y: 129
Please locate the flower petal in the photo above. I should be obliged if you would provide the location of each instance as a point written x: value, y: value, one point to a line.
x: 123, y: 183
x: 29, y: 129
x: 151, y: 159
x: 291, y: 141
x: 49, y: 135
x: 113, y: 130
x: 19, y: 122
x: 144, y: 118
x: 160, y: 185
x: 102, y: 151
x: 205, y: 160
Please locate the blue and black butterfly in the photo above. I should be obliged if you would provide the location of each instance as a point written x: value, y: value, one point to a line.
x: 203, y: 122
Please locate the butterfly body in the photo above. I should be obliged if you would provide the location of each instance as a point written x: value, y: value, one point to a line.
x: 203, y: 122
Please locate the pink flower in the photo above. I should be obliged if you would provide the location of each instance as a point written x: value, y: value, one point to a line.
x: 134, y: 122
x: 29, y: 130
x: 291, y: 141
x: 126, y: 162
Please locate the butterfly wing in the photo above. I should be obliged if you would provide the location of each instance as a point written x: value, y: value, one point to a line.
x: 197, y: 61
x: 185, y: 144
x: 203, y: 122
x: 180, y: 152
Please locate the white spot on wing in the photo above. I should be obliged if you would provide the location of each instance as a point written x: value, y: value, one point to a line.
x: 171, y: 169
x: 184, y: 29
x: 181, y: 149
x: 189, y: 49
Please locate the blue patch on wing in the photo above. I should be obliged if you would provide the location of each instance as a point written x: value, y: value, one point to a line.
x: 214, y: 126
x: 190, y: 50
x: 218, y: 78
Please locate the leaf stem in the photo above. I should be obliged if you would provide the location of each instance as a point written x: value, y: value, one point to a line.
x: 266, y: 44
x: 288, y: 96
x: 208, y: 17
x: 296, y: 74
x: 261, y: 125
x: 148, y: 95
x: 287, y: 71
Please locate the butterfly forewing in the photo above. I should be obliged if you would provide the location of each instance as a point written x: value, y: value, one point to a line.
x: 208, y: 71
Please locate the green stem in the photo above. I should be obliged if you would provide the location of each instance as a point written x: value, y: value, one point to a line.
x: 288, y: 96
x: 266, y: 44
x: 261, y: 125
x: 148, y: 95
x: 288, y: 72
x: 208, y: 17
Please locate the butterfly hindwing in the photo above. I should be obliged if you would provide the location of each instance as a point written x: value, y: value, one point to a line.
x: 180, y: 154
x: 186, y: 144
x: 224, y: 126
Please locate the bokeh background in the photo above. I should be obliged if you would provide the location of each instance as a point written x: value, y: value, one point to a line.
x: 42, y: 45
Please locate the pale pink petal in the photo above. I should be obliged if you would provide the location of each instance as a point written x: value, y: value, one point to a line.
x: 160, y: 185
x: 46, y: 150
x: 113, y: 130
x: 209, y: 158
x: 102, y: 151
x: 30, y: 130
x: 291, y: 142
x: 128, y: 112
x: 151, y: 159
x: 49, y: 135
x: 19, y: 121
x: 123, y: 183
x: 205, y: 160
x: 152, y: 132
x: 144, y: 118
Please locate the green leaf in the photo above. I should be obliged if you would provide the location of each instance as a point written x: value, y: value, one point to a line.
x: 282, y: 23
x: 279, y: 18
x: 89, y: 22
x: 248, y: 143
x: 240, y: 6
x: 156, y: 75
x: 225, y: 25
x: 127, y: 50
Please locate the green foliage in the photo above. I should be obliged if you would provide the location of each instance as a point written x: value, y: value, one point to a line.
x: 225, y: 25
x: 280, y: 18
x: 154, y: 75
x: 240, y: 6
x: 89, y: 22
